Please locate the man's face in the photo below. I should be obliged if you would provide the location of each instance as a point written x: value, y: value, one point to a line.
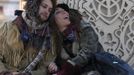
x: 45, y: 9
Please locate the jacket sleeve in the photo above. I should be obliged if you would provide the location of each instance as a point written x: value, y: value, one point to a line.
x: 2, y: 41
x: 88, y: 44
x: 11, y: 47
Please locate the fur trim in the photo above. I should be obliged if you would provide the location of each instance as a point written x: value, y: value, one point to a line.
x: 12, y: 47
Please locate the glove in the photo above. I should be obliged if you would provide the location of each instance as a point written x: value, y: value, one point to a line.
x: 69, y: 69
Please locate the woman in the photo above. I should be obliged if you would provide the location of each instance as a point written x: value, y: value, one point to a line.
x: 75, y: 41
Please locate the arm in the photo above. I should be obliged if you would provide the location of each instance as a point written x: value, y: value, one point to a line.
x: 10, y: 45
x: 2, y: 45
x: 88, y: 45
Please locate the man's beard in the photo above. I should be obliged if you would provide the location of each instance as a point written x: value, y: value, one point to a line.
x: 40, y: 19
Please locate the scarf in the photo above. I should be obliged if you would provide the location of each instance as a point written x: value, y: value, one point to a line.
x: 40, y: 38
x: 69, y: 36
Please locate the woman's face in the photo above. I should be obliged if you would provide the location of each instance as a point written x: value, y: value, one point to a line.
x: 61, y: 18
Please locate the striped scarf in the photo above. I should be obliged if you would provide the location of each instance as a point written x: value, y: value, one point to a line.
x: 39, y: 57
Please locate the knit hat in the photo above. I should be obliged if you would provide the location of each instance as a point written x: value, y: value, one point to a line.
x: 63, y: 6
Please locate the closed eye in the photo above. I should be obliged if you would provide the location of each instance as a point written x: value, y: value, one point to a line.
x: 44, y: 5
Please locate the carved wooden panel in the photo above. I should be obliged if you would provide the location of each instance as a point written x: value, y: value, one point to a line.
x: 113, y: 21
x: 22, y: 4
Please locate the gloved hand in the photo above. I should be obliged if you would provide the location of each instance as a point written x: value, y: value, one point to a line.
x: 69, y: 69
x: 52, y: 68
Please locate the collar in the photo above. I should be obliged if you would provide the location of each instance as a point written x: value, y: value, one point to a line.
x: 32, y: 22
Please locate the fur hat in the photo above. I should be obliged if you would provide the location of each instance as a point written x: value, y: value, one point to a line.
x: 63, y: 6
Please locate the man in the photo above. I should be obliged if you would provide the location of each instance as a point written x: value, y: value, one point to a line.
x: 22, y: 38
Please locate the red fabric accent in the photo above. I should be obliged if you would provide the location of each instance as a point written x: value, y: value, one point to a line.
x: 68, y: 69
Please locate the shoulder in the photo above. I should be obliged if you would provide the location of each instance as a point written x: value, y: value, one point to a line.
x: 84, y: 24
x: 86, y: 27
x: 11, y: 34
x: 7, y: 27
x: 4, y: 27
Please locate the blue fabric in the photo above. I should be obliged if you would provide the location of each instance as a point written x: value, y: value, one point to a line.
x: 107, y: 64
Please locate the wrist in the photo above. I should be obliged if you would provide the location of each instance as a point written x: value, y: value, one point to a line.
x: 71, y: 62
